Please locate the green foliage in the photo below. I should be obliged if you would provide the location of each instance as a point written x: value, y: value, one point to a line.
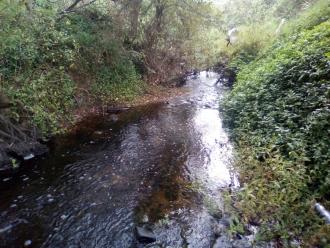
x: 103, y: 57
x: 279, y: 110
x: 48, y: 96
x: 28, y: 43
x: 252, y: 39
x: 44, y: 60
x: 34, y: 55
x: 118, y: 84
x: 290, y: 8
x: 48, y: 56
x: 274, y: 193
x: 258, y: 23
x: 314, y: 15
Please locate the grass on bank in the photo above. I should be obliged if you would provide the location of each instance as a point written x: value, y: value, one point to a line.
x: 279, y: 114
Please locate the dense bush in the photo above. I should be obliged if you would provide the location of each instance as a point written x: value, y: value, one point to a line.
x: 34, y: 57
x: 252, y: 39
x: 103, y: 58
x: 46, y: 60
x: 279, y: 110
x: 259, y: 25
x: 120, y: 83
x: 96, y: 51
x: 312, y: 16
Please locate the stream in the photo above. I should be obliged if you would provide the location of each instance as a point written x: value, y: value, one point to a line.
x: 160, y: 166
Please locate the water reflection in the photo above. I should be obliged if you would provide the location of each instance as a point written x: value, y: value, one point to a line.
x: 215, y: 142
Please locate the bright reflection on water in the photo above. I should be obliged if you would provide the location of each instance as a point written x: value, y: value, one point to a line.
x: 214, y: 139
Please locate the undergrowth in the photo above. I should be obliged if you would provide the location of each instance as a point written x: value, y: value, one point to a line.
x: 279, y: 114
x: 47, y: 62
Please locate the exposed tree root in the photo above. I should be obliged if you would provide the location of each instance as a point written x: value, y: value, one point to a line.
x: 16, y: 142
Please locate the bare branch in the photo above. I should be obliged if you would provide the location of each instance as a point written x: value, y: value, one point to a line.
x: 73, y: 7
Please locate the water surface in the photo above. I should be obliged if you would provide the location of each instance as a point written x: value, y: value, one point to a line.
x: 162, y: 165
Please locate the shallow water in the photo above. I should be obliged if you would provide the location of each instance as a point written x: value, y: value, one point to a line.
x: 162, y: 165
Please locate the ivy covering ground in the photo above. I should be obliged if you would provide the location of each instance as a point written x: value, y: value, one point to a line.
x: 279, y: 112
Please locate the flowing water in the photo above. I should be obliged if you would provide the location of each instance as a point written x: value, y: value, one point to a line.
x: 161, y: 165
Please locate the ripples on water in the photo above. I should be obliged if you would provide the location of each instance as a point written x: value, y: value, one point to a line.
x: 156, y: 164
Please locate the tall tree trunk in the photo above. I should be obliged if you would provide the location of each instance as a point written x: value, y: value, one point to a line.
x: 134, y: 16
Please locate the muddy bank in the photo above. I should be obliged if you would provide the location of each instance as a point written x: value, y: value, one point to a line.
x: 154, y: 94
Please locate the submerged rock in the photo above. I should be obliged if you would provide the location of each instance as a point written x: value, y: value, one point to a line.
x: 221, y: 227
x: 18, y: 152
x: 98, y: 132
x: 145, y: 235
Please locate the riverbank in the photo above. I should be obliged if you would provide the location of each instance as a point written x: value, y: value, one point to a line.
x: 278, y: 114
x: 31, y: 146
x: 152, y: 94
x: 58, y: 67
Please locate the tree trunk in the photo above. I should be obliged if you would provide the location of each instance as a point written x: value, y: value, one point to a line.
x: 134, y: 16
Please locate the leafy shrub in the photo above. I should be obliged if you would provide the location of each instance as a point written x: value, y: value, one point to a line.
x: 103, y: 57
x: 34, y: 55
x: 252, y: 39
x: 280, y: 108
x: 47, y: 99
x: 257, y: 28
x: 44, y: 59
x: 290, y: 8
x: 275, y: 193
x: 31, y: 43
x: 314, y: 15
x: 118, y: 83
